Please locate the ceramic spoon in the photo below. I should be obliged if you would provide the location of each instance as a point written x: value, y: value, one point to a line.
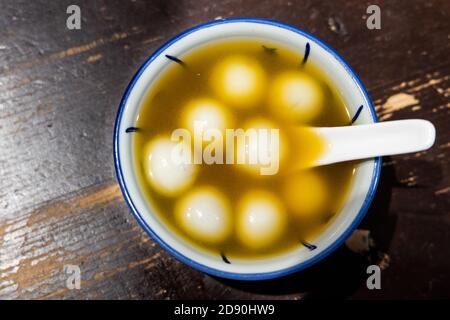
x: 372, y: 140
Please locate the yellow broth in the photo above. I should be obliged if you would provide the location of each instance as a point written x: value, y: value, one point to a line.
x: 160, y: 114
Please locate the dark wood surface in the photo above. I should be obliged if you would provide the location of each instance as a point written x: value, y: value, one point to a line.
x: 59, y: 200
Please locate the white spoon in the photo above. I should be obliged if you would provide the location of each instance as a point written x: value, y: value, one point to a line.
x: 372, y: 140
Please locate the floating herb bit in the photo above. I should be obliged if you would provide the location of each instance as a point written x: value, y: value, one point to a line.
x: 175, y: 59
x: 224, y: 258
x: 306, y: 55
x: 131, y: 129
x: 358, y: 112
x: 310, y: 246
x: 269, y: 50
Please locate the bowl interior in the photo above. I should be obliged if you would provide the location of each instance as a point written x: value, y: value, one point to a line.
x: 354, y: 95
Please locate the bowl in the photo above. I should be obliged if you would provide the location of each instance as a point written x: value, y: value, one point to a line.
x: 355, y: 97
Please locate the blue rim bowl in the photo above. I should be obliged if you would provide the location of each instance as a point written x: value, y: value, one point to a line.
x: 232, y: 275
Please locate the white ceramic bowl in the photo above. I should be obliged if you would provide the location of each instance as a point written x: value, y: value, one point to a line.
x: 342, y: 76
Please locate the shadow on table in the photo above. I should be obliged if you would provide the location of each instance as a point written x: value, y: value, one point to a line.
x: 344, y: 271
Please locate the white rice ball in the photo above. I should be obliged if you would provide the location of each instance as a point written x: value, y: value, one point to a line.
x: 207, y: 114
x: 263, y: 145
x: 205, y: 215
x: 168, y: 166
x: 296, y: 96
x: 261, y: 219
x: 239, y: 80
x: 306, y: 194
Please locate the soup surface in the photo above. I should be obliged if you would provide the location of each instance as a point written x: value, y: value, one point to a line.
x: 231, y: 208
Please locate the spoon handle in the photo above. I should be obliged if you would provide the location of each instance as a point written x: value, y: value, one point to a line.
x: 378, y: 139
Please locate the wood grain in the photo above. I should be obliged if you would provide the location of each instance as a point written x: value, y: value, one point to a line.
x: 59, y: 200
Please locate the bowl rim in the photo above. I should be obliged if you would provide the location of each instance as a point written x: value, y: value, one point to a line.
x: 235, y: 275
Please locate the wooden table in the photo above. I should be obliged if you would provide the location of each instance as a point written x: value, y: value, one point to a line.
x: 59, y: 199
